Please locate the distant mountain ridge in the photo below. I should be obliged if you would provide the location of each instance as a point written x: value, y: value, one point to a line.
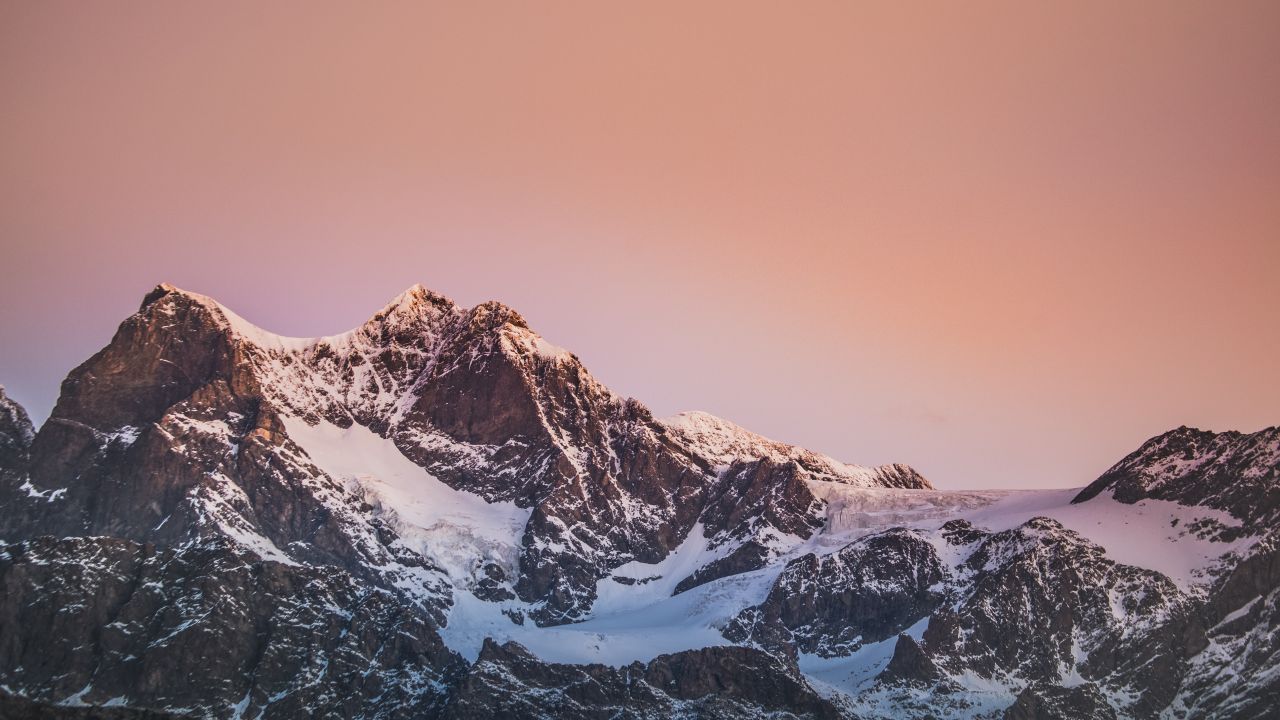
x: 441, y: 514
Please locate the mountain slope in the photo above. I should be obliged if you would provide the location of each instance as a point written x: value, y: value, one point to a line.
x: 191, y: 408
x: 439, y: 513
x: 441, y: 454
x: 1230, y: 471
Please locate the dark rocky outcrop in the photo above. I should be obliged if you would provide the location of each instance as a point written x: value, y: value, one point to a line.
x: 16, y: 433
x: 910, y: 664
x: 753, y: 504
x: 14, y: 707
x: 870, y: 590
x: 212, y: 630
x: 718, y: 682
x: 1234, y: 472
x: 183, y: 411
x: 18, y: 499
x: 1042, y: 604
x: 1082, y: 702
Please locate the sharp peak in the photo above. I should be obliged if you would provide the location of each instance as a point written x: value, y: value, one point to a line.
x: 488, y: 315
x: 493, y: 314
x: 164, y: 289
x: 415, y: 301
x: 415, y: 295
x: 418, y: 295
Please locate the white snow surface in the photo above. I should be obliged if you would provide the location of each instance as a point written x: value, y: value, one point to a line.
x: 1150, y: 534
x: 460, y: 532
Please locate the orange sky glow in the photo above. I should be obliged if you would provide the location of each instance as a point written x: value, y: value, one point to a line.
x: 1004, y: 242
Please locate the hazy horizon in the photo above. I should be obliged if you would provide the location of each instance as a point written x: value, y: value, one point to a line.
x: 1004, y: 244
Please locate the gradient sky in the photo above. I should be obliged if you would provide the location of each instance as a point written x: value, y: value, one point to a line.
x: 1003, y: 242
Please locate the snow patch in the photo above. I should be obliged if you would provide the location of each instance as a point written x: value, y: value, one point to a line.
x: 457, y: 530
x: 857, y: 671
x: 1152, y: 534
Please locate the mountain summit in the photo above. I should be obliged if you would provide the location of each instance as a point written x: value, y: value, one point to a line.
x: 441, y: 514
x: 202, y: 423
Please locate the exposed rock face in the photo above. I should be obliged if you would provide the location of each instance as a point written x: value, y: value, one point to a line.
x: 870, y: 590
x: 16, y: 432
x: 17, y: 496
x: 308, y: 526
x: 1230, y: 471
x: 13, y: 707
x: 1077, y: 614
x: 755, y: 506
x: 717, y: 682
x: 910, y: 664
x: 1234, y: 676
x: 212, y: 630
x: 183, y: 435
x: 182, y: 418
x: 1082, y: 702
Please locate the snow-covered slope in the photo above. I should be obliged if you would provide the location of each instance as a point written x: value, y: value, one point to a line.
x: 460, y: 532
x: 417, y: 493
x: 471, y: 396
x: 722, y: 442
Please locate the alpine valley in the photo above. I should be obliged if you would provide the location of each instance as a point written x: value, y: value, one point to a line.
x: 440, y: 514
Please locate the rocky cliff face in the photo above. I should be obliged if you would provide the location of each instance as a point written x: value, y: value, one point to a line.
x: 213, y: 630
x: 16, y: 432
x: 440, y: 514
x: 178, y: 428
x: 1042, y: 615
x: 1231, y: 471
x: 508, y: 681
x: 868, y: 591
x: 193, y: 429
x: 16, y: 435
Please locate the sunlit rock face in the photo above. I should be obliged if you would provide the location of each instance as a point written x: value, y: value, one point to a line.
x: 440, y: 513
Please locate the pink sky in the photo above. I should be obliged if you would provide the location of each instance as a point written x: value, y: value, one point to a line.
x: 1003, y: 242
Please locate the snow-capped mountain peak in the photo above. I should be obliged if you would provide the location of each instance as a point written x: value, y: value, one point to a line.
x: 441, y: 514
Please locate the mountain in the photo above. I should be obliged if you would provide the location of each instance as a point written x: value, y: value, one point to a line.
x: 441, y: 514
x: 16, y: 432
x: 1231, y: 471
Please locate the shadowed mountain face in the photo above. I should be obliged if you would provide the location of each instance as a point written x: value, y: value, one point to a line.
x: 1231, y: 471
x: 373, y: 524
x: 16, y: 432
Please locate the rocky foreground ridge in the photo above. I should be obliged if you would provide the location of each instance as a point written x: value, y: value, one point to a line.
x: 440, y: 514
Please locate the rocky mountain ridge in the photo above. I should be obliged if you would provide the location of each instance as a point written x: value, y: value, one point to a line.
x: 440, y: 514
